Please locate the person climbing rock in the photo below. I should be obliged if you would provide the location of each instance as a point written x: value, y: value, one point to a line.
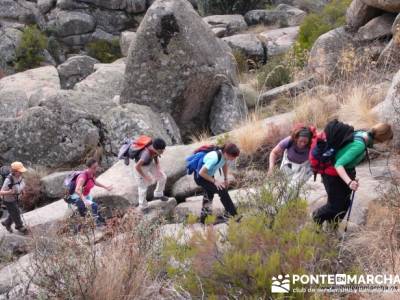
x: 148, y: 170
x: 204, y: 163
x: 294, y: 151
x: 348, y: 148
x: 85, y: 182
x: 13, y: 187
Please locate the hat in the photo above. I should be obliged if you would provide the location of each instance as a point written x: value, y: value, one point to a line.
x: 18, y: 167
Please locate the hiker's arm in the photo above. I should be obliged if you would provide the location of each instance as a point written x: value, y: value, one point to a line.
x: 225, y: 171
x: 9, y: 192
x: 350, y: 155
x: 79, y: 187
x: 107, y: 187
x: 352, y: 184
x: 275, y: 154
x: 139, y: 169
x: 204, y: 173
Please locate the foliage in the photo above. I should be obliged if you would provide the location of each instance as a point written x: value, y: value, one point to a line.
x: 29, y: 52
x: 270, y: 239
x: 241, y: 61
x: 315, y: 24
x: 276, y: 72
x: 211, y: 7
x: 104, y: 51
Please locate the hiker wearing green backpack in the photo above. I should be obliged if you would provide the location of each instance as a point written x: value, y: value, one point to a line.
x: 204, y: 163
x: 335, y: 154
x: 148, y: 169
x: 13, y: 187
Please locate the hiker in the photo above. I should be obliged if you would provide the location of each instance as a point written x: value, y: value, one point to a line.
x: 13, y: 187
x: 209, y: 163
x: 148, y: 169
x: 294, y: 151
x: 85, y: 181
x: 348, y: 148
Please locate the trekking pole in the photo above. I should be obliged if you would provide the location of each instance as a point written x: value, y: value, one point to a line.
x: 347, y: 223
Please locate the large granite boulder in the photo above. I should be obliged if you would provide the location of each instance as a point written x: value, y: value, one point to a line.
x: 386, y: 5
x: 232, y: 23
x: 12, y: 103
x: 75, y: 69
x: 327, y: 51
x: 112, y: 21
x: 279, y: 41
x: 228, y: 111
x: 72, y: 23
x: 53, y: 185
x: 283, y: 16
x: 249, y: 45
x: 177, y: 65
x: 390, y: 56
x: 379, y: 27
x: 390, y: 109
x: 358, y: 14
x: 9, y: 41
x: 107, y: 80
x: 47, y: 137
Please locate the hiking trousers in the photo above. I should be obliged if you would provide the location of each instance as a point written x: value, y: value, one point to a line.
x: 338, y: 203
x: 159, y: 177
x: 209, y: 190
x: 14, y: 215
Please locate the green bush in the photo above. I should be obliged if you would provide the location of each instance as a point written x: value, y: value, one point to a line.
x: 29, y: 52
x: 212, y: 7
x: 315, y: 24
x: 275, y: 72
x: 105, y: 51
x: 268, y: 241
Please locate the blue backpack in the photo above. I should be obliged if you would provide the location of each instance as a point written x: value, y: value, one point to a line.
x: 195, y: 161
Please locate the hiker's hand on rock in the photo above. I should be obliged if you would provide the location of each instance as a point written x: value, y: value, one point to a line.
x: 220, y: 185
x: 109, y: 188
x: 354, y: 185
x: 270, y: 172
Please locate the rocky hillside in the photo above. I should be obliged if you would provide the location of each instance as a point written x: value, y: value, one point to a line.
x: 192, y: 72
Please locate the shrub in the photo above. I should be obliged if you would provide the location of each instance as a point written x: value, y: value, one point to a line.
x: 276, y: 72
x: 240, y: 263
x: 315, y: 24
x: 105, y: 51
x: 241, y: 61
x: 211, y: 7
x: 29, y: 52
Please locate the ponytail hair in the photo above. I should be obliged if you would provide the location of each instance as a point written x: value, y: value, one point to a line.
x: 231, y: 149
x: 381, y: 133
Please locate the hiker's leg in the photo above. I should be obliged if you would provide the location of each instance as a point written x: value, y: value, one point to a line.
x: 142, y: 188
x: 8, y: 222
x: 77, y: 201
x: 14, y: 214
x: 161, y: 178
x: 227, y: 202
x: 326, y: 212
x: 209, y: 190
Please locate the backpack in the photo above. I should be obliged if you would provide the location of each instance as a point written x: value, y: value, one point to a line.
x: 195, y: 161
x: 131, y: 149
x: 5, y: 172
x: 326, y: 144
x: 70, y: 182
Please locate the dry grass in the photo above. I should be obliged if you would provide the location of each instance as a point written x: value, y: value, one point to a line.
x: 316, y: 109
x: 357, y: 104
x: 202, y: 137
x: 260, y: 28
x: 33, y: 193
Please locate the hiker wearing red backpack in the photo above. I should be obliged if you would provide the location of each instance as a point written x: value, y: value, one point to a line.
x: 294, y: 151
x: 84, y: 182
x: 204, y: 163
x: 148, y: 169
x: 335, y: 153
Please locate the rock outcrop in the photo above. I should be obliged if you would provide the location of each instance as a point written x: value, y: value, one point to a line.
x: 177, y: 65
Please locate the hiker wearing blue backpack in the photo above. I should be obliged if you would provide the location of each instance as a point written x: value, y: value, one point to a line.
x: 148, y: 169
x: 335, y: 153
x: 204, y: 163
x: 80, y: 184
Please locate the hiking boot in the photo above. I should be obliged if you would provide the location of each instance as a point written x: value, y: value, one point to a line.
x: 220, y: 220
x: 162, y: 198
x: 144, y: 209
x: 8, y: 227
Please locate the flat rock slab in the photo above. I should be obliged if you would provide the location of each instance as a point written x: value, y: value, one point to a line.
x: 279, y: 41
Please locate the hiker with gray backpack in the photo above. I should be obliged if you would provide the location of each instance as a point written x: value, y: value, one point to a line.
x: 13, y: 187
x: 334, y: 154
x: 146, y: 153
x: 203, y: 164
x: 79, y: 184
